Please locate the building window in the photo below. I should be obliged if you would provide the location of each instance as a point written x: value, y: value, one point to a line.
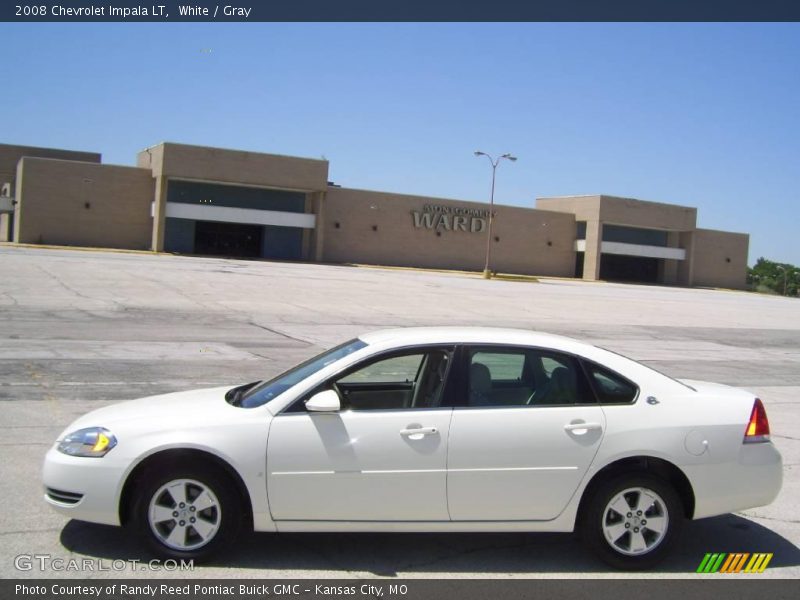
x: 635, y: 235
x: 194, y: 192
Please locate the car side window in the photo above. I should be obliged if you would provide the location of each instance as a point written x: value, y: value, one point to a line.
x: 524, y: 377
x: 400, y: 369
x: 406, y: 381
x: 610, y: 387
x: 414, y: 380
x: 503, y: 366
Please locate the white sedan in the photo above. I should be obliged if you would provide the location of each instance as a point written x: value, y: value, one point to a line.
x: 425, y: 429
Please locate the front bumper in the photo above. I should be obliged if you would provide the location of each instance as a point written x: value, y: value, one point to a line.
x: 86, y: 489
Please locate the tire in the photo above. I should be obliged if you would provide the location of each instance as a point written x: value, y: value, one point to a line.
x: 632, y: 521
x: 187, y: 512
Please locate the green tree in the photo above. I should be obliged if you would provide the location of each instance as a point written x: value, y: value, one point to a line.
x: 771, y: 277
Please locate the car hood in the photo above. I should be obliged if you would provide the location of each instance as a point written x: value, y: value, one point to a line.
x: 178, y: 409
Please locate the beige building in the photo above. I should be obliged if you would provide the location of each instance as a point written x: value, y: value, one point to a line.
x: 198, y: 200
x: 626, y: 239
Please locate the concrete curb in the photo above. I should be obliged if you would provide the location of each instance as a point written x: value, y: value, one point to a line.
x: 82, y: 249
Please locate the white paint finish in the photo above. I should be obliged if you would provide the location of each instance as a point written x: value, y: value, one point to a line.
x: 724, y: 478
x: 198, y: 419
x: 517, y: 463
x: 676, y: 350
x: 249, y: 216
x: 642, y: 250
x: 422, y: 527
x: 356, y: 466
x: 496, y: 469
x: 303, y: 473
x: 6, y: 204
x: 717, y: 487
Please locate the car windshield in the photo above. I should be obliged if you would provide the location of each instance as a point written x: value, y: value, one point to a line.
x: 258, y: 395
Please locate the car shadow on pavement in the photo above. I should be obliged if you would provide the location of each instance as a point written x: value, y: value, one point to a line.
x: 386, y: 555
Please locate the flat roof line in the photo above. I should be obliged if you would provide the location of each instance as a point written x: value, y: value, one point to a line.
x: 483, y: 203
x: 236, y: 150
x: 601, y: 196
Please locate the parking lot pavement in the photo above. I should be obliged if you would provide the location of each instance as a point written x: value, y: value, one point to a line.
x: 79, y: 330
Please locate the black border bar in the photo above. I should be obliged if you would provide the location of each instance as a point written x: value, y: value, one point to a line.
x: 709, y: 588
x: 405, y: 10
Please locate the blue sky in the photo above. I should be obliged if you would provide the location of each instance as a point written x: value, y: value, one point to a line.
x: 706, y: 115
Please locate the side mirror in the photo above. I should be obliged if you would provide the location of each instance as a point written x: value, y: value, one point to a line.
x: 327, y: 401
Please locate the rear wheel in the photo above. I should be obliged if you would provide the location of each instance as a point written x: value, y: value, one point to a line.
x: 186, y: 512
x: 632, y: 521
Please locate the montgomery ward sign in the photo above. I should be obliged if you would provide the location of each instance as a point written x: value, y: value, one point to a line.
x: 450, y: 218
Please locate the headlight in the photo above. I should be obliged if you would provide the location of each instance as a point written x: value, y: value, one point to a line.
x: 92, y: 442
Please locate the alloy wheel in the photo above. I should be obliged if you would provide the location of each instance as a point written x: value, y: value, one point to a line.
x: 184, y: 514
x: 635, y: 521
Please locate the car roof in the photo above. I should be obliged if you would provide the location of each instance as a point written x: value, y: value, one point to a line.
x: 387, y: 339
x: 473, y: 335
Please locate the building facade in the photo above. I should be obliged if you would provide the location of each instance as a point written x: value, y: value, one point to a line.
x: 198, y: 200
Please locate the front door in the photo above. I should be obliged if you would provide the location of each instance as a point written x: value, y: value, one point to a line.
x: 383, y: 457
x: 524, y: 436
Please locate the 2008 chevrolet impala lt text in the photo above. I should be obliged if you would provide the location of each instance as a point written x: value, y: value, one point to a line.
x: 425, y: 429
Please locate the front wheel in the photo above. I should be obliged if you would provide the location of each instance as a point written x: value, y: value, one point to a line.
x: 187, y: 512
x: 632, y: 521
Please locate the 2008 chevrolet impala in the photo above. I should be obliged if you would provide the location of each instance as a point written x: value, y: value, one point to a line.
x: 425, y: 429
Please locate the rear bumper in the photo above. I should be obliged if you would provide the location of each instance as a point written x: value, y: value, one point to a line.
x: 754, y: 479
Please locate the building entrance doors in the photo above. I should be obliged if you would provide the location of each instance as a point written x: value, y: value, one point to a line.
x: 227, y: 239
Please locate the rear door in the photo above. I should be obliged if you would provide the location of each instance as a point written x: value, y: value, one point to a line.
x: 523, y: 434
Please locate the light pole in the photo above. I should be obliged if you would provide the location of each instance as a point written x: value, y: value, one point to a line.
x: 487, y: 274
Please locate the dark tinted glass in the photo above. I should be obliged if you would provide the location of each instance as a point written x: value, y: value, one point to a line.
x: 610, y: 387
x: 212, y: 194
x: 634, y: 235
x: 524, y: 377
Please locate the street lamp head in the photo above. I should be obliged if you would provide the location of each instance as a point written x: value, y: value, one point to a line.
x: 479, y: 153
x: 509, y: 157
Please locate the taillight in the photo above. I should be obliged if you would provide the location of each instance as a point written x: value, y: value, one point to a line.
x: 758, y: 426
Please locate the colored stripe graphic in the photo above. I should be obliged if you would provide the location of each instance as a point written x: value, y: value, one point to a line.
x: 723, y: 562
x: 759, y: 562
x: 704, y: 563
x: 735, y: 562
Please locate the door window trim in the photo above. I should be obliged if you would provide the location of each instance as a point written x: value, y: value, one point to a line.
x: 465, y: 351
x: 587, y: 364
x: 446, y: 393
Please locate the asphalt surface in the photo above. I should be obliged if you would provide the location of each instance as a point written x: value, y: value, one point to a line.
x: 80, y: 329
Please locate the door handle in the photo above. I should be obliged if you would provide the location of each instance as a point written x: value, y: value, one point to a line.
x: 581, y: 428
x: 419, y: 431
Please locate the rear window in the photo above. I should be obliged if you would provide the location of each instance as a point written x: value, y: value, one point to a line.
x: 610, y: 387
